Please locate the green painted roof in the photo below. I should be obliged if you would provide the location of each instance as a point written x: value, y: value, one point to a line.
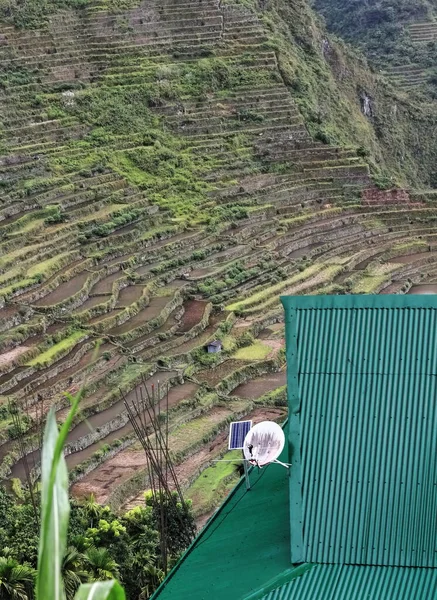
x: 245, y: 546
x: 346, y: 582
x: 363, y: 485
x: 362, y: 376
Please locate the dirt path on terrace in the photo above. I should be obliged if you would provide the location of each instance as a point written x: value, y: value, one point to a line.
x: 275, y: 346
x: 8, y: 357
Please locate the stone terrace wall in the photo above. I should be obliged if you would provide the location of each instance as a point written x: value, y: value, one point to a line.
x: 378, y: 197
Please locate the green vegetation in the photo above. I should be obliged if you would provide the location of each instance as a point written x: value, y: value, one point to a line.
x: 274, y: 290
x: 276, y: 397
x: 56, y: 350
x: 36, y: 13
x: 127, y: 376
x: 256, y: 351
x: 368, y: 284
x: 84, y: 542
x: 197, y: 255
x: 220, y: 289
x: 47, y: 267
x: 411, y: 246
x: 379, y: 28
x: 331, y: 83
x: 215, y: 483
x: 192, y: 164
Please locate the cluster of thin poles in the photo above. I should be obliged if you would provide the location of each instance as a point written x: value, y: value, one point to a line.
x: 30, y: 459
x: 151, y: 428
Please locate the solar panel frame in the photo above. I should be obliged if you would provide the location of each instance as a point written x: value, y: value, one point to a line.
x: 237, y: 434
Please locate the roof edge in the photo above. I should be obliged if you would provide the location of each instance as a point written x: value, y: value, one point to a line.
x: 197, y: 539
x: 280, y: 580
x: 360, y: 301
x: 204, y: 531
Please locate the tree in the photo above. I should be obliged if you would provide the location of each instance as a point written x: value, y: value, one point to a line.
x: 154, y: 577
x: 100, y: 564
x: 23, y: 536
x: 143, y: 537
x: 73, y: 571
x: 181, y: 527
x: 16, y: 581
x: 100, y: 544
x: 92, y: 509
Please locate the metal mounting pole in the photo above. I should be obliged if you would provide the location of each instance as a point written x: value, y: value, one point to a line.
x: 246, y: 475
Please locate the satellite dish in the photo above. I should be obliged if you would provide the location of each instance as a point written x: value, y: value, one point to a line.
x: 263, y: 443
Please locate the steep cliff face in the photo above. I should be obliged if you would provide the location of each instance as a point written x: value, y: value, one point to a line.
x: 377, y: 27
x: 399, y: 39
x: 381, y: 29
x: 344, y: 99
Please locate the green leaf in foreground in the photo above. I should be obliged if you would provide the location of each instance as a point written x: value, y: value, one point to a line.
x: 55, y: 508
x: 101, y: 590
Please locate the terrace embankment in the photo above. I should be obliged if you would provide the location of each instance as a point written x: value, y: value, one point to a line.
x: 159, y: 181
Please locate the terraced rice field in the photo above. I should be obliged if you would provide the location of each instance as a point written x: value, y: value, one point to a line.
x: 412, y: 76
x: 125, y: 249
x: 261, y: 385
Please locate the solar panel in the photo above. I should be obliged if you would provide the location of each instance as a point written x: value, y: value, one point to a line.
x: 237, y: 433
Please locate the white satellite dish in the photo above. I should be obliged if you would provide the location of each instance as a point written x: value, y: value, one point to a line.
x: 264, y: 443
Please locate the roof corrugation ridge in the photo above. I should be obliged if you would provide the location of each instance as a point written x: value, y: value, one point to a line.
x: 342, y: 582
x: 364, y: 387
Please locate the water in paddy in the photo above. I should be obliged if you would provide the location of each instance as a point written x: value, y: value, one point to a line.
x: 363, y: 264
x: 176, y: 395
x: 410, y: 258
x: 146, y: 268
x: 129, y: 295
x: 429, y: 288
x: 94, y: 422
x: 304, y: 250
x: 91, y: 303
x: 261, y: 385
x: 151, y: 311
x: 64, y: 290
x: 104, y: 286
x: 169, y: 323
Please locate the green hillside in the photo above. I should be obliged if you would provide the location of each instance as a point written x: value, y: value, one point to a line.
x: 167, y: 170
x: 376, y: 26
x: 398, y: 36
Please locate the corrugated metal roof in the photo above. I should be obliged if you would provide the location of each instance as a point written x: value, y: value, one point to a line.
x: 362, y: 387
x: 245, y: 545
x: 345, y: 582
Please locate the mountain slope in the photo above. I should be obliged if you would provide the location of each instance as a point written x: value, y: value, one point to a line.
x: 398, y: 36
x: 167, y: 170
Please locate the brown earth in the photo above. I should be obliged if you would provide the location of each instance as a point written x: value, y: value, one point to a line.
x: 64, y: 290
x: 123, y: 465
x: 8, y: 357
x: 129, y: 295
x: 148, y: 313
x: 216, y: 374
x: 194, y: 310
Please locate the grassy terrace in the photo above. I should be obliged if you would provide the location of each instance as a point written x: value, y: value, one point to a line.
x: 145, y: 163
